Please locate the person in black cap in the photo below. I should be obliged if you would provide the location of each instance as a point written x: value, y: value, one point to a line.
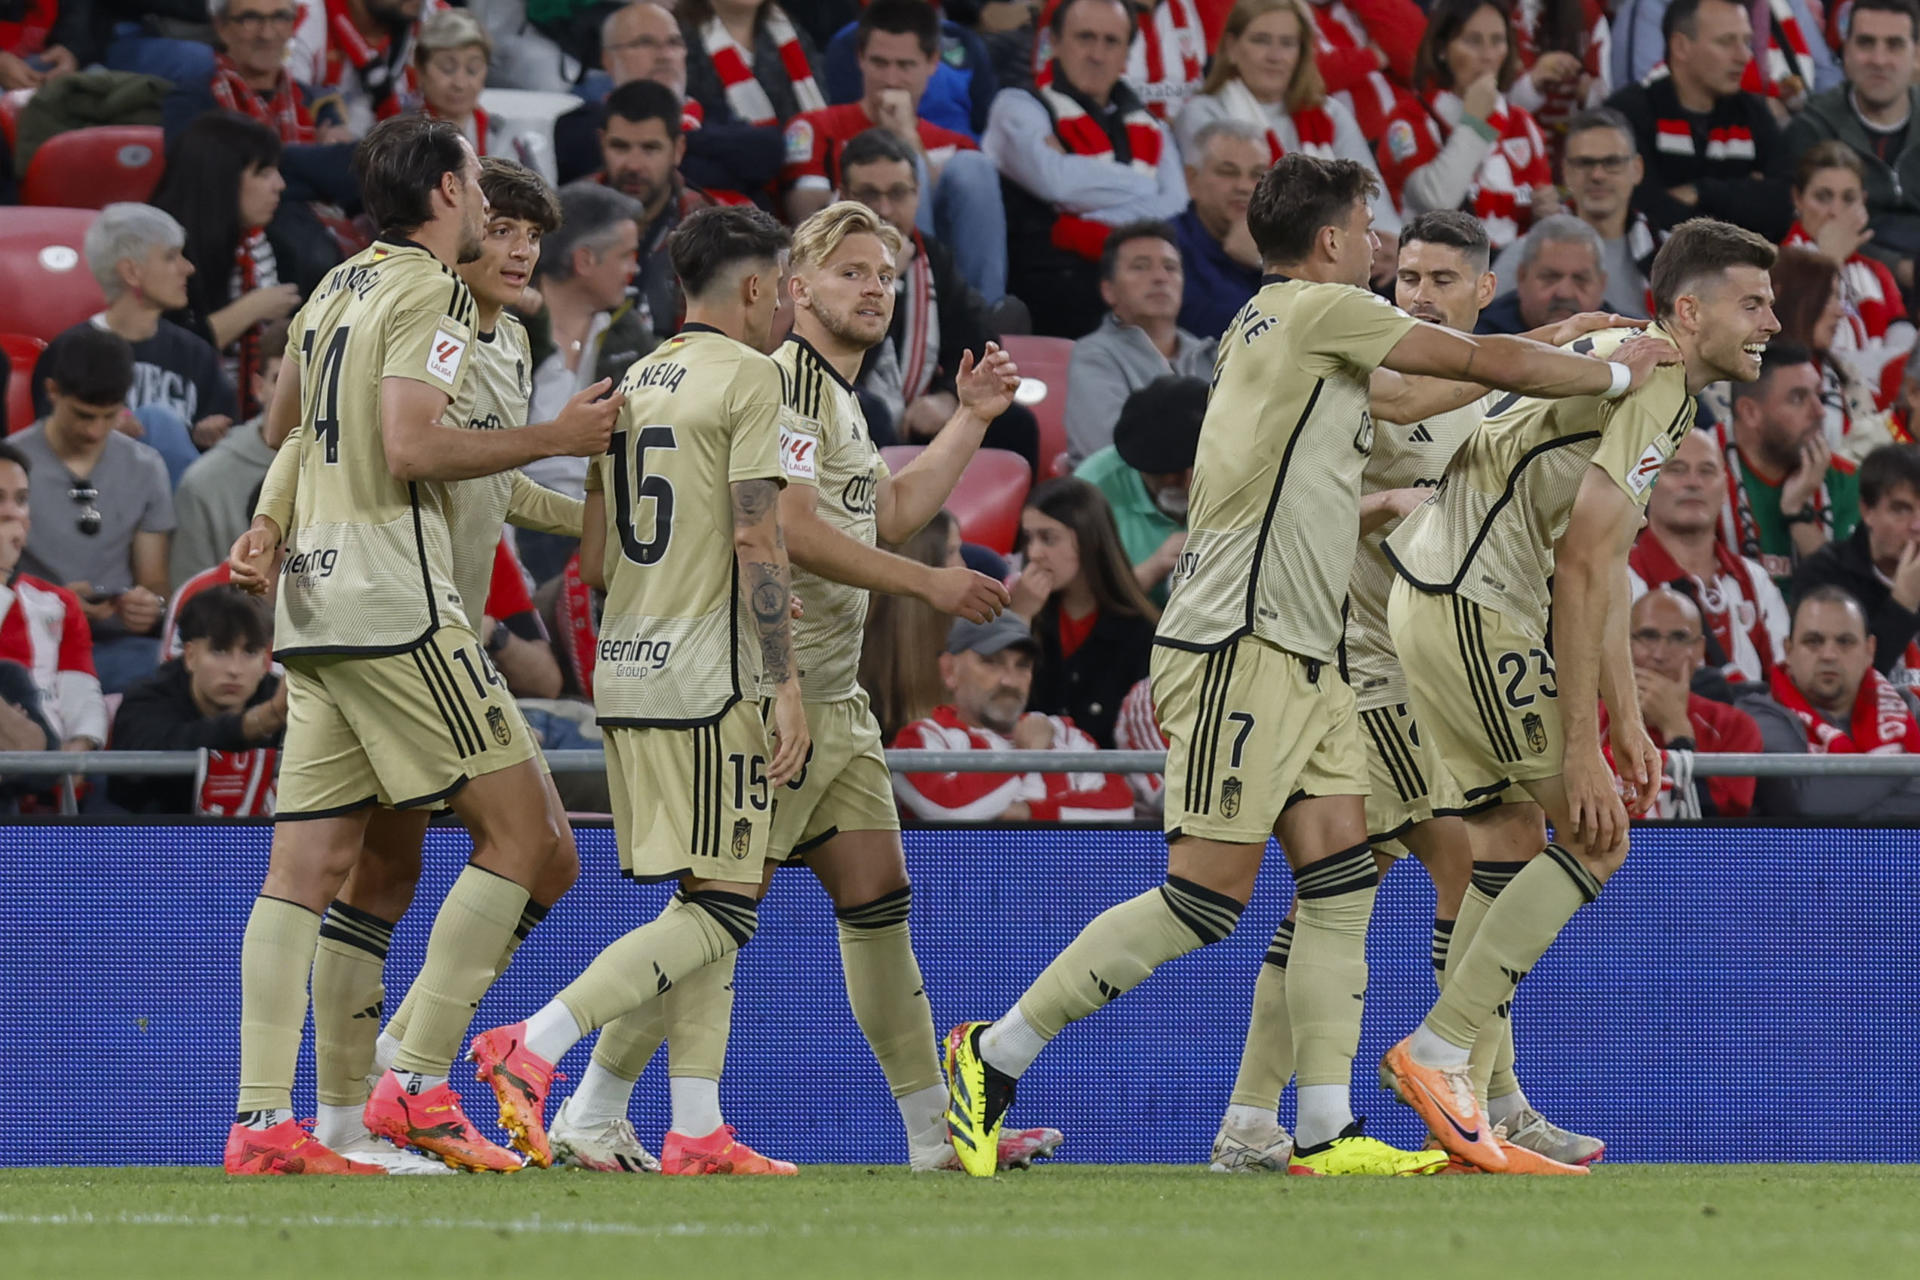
x: 1146, y: 471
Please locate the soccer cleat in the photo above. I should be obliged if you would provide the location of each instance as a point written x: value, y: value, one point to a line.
x: 397, y: 1161
x: 612, y: 1147
x: 1354, y: 1154
x: 1533, y: 1131
x: 1259, y: 1149
x: 520, y: 1079
x: 1443, y: 1097
x: 1520, y: 1161
x: 1020, y: 1148
x: 433, y: 1123
x: 717, y: 1152
x: 979, y: 1099
x: 286, y: 1148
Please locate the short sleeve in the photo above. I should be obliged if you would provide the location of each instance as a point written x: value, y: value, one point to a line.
x: 426, y: 343
x: 596, y: 474
x: 1637, y: 440
x: 1353, y: 327
x: 756, y: 409
x: 158, y: 515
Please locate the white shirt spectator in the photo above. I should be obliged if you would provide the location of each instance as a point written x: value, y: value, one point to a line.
x: 983, y: 797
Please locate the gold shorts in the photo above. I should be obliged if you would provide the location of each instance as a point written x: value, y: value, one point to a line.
x: 1250, y: 729
x: 1409, y: 781
x: 1483, y: 689
x: 844, y: 785
x: 402, y: 730
x: 695, y: 801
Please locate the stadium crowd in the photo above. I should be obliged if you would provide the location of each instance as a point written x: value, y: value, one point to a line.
x: 1070, y: 179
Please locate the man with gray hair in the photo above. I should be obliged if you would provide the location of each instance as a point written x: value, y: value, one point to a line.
x: 181, y: 397
x: 1225, y: 159
x: 1562, y: 272
x: 588, y: 327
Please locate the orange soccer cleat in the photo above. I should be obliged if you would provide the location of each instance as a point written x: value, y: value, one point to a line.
x: 432, y: 1122
x: 1519, y: 1160
x: 520, y: 1079
x: 717, y: 1152
x: 286, y: 1148
x: 1443, y: 1097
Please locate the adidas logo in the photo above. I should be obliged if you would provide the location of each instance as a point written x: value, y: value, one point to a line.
x: 371, y: 1011
x: 1420, y: 435
x: 1107, y: 990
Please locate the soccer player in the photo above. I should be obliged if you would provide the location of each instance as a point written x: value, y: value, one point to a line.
x: 838, y: 816
x: 1549, y: 492
x: 1412, y: 801
x: 1263, y: 738
x: 391, y: 699
x: 348, y: 986
x: 683, y: 531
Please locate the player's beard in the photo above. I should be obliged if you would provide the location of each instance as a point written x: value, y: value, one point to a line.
x: 471, y: 244
x: 845, y: 327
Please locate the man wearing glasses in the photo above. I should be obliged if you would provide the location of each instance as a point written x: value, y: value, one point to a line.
x: 1602, y: 167
x: 1668, y: 646
x: 106, y: 509
x: 250, y: 77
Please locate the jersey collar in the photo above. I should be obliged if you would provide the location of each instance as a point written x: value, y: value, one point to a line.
x: 825, y: 364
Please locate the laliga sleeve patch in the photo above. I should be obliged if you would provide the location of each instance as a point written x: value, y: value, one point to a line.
x: 443, y: 358
x: 1644, y: 472
x: 799, y: 452
x: 799, y: 142
x: 1401, y: 143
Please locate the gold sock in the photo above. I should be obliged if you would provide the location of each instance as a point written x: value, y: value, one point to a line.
x: 1489, y: 878
x: 530, y: 915
x: 1517, y: 930
x: 1266, y: 1059
x: 1121, y: 946
x: 646, y: 963
x: 463, y: 954
x: 276, y: 955
x: 884, y: 987
x: 1327, y: 970
x: 699, y: 1014
x: 349, y: 967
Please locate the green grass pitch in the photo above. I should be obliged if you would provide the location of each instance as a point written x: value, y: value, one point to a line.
x: 1800, y: 1221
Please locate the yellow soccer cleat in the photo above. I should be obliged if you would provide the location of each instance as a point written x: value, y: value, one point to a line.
x: 1354, y: 1154
x: 979, y: 1098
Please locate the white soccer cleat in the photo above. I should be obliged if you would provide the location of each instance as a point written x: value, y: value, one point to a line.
x: 606, y: 1148
x: 1260, y: 1148
x: 395, y: 1160
x: 1528, y: 1128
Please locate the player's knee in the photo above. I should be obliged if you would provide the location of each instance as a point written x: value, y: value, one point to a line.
x: 1211, y: 915
x: 737, y: 914
x: 1491, y: 878
x: 1584, y: 868
x: 883, y: 912
x: 560, y: 871
x: 1351, y: 870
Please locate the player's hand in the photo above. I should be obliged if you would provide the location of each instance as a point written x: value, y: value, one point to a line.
x: 1798, y: 489
x: 139, y: 609
x: 1561, y: 332
x: 1643, y: 354
x: 584, y: 428
x: 790, y: 737
x: 1482, y: 97
x: 1031, y: 590
x: 1034, y: 732
x: 963, y: 593
x: 255, y: 557
x: 1637, y: 761
x: 1598, y: 817
x: 986, y: 389
x: 795, y: 610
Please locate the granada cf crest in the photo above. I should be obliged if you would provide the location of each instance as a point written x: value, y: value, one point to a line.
x: 1230, y: 798
x: 742, y: 836
x: 497, y: 721
x: 1536, y: 732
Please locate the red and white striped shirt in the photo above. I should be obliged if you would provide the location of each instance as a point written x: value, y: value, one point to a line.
x: 1137, y: 728
x: 983, y: 797
x: 44, y: 629
x: 1501, y: 194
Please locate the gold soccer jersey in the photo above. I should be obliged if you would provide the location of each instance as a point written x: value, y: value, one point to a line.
x: 1275, y: 519
x: 1404, y: 457
x: 824, y: 444
x: 369, y: 564
x: 1488, y: 533
x: 677, y: 647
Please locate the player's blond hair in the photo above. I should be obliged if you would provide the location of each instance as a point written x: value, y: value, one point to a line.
x: 820, y: 237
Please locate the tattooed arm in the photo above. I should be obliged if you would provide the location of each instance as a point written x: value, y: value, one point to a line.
x: 761, y: 551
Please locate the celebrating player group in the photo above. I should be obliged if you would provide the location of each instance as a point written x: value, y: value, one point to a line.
x: 1385, y: 513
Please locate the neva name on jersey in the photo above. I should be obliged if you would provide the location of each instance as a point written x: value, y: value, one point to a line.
x: 664, y: 374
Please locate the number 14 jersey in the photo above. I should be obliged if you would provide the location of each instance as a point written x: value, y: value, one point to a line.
x: 677, y: 646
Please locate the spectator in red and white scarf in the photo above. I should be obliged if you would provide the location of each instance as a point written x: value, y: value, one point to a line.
x: 362, y: 50
x: 1835, y: 704
x: 1469, y: 146
x: 450, y: 63
x: 1166, y: 58
x: 988, y: 671
x: 43, y: 626
x: 1563, y: 46
x: 1366, y: 50
x: 747, y: 61
x: 250, y: 77
x: 1830, y: 207
x: 1790, y: 57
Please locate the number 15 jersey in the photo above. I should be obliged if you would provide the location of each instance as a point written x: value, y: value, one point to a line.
x: 677, y: 646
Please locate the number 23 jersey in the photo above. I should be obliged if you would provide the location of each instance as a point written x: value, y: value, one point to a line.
x: 677, y: 645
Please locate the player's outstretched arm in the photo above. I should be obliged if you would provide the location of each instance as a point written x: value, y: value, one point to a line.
x: 1400, y: 398
x: 818, y: 547
x: 1506, y: 363
x: 532, y: 505
x: 985, y: 391
x: 1586, y: 563
x: 420, y: 447
x: 766, y: 581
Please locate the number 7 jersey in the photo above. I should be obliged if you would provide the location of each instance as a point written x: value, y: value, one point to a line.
x: 369, y: 563
x: 677, y: 646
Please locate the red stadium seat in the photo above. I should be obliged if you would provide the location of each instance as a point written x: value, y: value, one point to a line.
x: 92, y: 168
x: 987, y: 500
x: 43, y: 275
x: 21, y: 351
x: 1043, y: 389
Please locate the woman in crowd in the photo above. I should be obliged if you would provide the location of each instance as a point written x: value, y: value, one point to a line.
x: 223, y: 185
x: 1265, y: 74
x: 1094, y: 624
x: 1809, y: 301
x: 747, y: 63
x: 900, y: 660
x: 1830, y: 216
x: 451, y: 58
x: 1467, y: 146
